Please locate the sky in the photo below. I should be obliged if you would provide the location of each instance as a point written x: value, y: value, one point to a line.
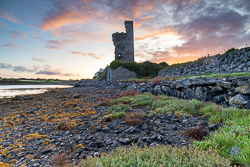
x: 72, y: 39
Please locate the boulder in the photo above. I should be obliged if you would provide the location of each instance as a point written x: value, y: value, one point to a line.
x: 243, y: 89
x: 190, y: 94
x: 224, y: 84
x: 238, y: 100
x: 200, y: 94
x: 218, y: 99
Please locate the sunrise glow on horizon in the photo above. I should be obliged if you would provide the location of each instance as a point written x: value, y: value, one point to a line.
x: 61, y: 39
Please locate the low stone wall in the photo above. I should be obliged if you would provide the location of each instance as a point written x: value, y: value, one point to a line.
x: 235, y: 61
x: 227, y: 92
x: 120, y: 73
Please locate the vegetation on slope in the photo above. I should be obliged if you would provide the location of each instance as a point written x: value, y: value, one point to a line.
x: 144, y: 69
x: 234, y: 133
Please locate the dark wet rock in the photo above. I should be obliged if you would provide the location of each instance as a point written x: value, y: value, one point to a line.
x: 31, y: 111
x: 217, y: 89
x: 83, y: 156
x: 96, y: 154
x: 247, y: 106
x: 36, y: 165
x: 190, y: 94
x: 125, y: 141
x: 76, y: 95
x: 218, y: 99
x: 80, y: 150
x: 16, y: 98
x: 235, y: 151
x: 27, y: 98
x: 165, y: 140
x: 159, y: 138
x: 108, y: 142
x: 213, y: 126
x: 174, y: 127
x: 107, y: 130
x: 153, y: 145
x: 46, y: 151
x: 98, y: 144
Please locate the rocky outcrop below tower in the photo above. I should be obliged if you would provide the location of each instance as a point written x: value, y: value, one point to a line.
x: 234, y: 92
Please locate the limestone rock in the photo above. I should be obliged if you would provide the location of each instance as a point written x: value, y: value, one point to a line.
x: 243, y: 89
x: 239, y: 100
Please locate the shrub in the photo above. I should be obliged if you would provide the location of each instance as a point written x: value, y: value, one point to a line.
x: 197, y: 133
x: 115, y: 64
x: 132, y: 66
x: 163, y: 65
x: 62, y: 159
x: 134, y: 118
x: 230, y: 50
x: 118, y: 57
x: 65, y: 124
x: 148, y: 68
x: 105, y: 101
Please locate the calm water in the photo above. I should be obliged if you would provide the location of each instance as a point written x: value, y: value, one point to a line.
x: 15, y: 90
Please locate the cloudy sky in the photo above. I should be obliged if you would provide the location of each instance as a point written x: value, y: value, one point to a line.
x: 71, y: 39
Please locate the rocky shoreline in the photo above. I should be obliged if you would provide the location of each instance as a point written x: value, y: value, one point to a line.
x: 30, y: 135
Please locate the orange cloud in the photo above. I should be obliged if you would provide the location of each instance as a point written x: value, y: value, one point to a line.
x: 88, y: 54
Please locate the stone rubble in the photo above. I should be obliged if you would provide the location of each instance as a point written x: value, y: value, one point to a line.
x: 94, y: 135
x: 235, y: 61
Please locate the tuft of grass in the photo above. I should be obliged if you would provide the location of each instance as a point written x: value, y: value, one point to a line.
x: 116, y: 115
x: 197, y: 133
x: 63, y: 159
x: 134, y: 118
x: 118, y: 108
x: 158, y: 156
x: 126, y: 93
x: 66, y: 124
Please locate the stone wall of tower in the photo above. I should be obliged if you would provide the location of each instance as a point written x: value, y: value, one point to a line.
x: 129, y: 42
x: 124, y: 43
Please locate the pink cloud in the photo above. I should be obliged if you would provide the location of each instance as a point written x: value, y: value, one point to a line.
x: 12, y: 45
x: 85, y: 54
x: 41, y: 60
x: 17, y: 35
x: 58, y: 44
x: 9, y: 17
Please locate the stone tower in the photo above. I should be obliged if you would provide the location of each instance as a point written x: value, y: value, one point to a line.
x: 124, y: 43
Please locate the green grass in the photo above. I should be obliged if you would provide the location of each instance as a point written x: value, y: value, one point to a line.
x: 158, y: 156
x: 234, y: 133
x: 117, y: 111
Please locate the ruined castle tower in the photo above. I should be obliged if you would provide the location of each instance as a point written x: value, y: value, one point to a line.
x: 124, y: 43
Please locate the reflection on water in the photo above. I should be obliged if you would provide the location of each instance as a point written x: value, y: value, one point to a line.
x: 15, y: 90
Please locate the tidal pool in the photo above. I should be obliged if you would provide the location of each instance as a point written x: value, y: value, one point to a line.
x: 7, y: 91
